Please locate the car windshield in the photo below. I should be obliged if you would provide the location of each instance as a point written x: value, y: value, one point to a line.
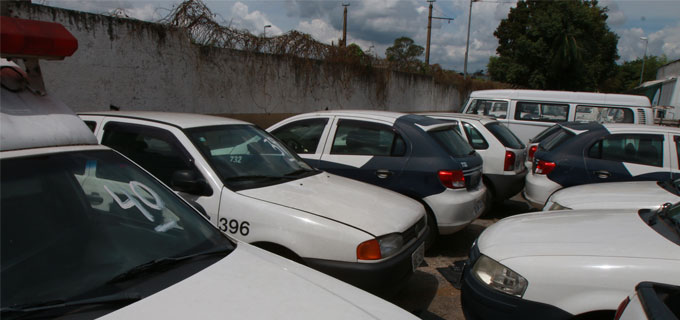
x: 545, y: 133
x: 556, y: 139
x: 452, y: 142
x: 671, y: 186
x: 73, y: 221
x: 245, y: 156
x: 504, y: 135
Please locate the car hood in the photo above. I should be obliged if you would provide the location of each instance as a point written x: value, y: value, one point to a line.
x: 372, y: 209
x: 253, y: 284
x: 618, y: 195
x: 605, y: 233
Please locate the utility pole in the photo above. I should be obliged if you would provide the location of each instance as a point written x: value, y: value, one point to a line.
x: 429, y: 31
x: 344, y: 25
x: 646, y: 40
x: 467, y: 42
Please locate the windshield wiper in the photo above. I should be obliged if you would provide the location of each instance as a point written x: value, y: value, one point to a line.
x: 54, y: 304
x: 158, y: 264
x: 252, y: 177
x: 297, y: 172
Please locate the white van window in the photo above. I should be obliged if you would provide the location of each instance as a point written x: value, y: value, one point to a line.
x: 604, y: 114
x: 494, y: 108
x: 536, y: 111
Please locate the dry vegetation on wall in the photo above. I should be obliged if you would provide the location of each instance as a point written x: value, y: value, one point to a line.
x: 195, y: 17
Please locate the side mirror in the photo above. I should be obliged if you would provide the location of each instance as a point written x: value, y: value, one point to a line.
x: 188, y: 181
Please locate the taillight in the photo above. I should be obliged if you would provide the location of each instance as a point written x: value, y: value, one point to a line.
x: 544, y: 167
x: 509, y: 161
x: 532, y: 151
x: 621, y: 307
x: 369, y: 250
x: 452, y: 179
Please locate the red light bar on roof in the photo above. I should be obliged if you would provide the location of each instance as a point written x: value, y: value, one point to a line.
x: 21, y: 38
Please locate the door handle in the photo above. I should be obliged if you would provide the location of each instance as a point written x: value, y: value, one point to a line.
x: 383, y: 173
x: 602, y: 174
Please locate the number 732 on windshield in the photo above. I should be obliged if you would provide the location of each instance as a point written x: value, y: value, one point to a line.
x: 234, y: 226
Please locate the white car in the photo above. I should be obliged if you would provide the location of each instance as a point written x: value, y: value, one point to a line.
x: 562, y: 264
x: 615, y: 195
x: 653, y: 301
x: 254, y: 189
x: 417, y: 156
x: 503, y: 153
x: 86, y: 233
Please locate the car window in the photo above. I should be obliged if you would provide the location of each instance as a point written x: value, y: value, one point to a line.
x: 504, y: 135
x: 556, y: 139
x: 246, y: 157
x: 604, y: 114
x: 67, y: 232
x: 494, y: 108
x: 536, y: 111
x: 156, y: 150
x: 302, y: 136
x: 451, y: 141
x: 91, y: 124
x: 354, y: 137
x: 475, y: 137
x: 644, y: 149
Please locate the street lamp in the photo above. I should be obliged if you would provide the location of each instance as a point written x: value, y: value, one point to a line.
x: 643, y: 59
x: 264, y: 30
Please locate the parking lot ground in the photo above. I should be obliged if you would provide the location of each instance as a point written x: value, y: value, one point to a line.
x: 428, y: 294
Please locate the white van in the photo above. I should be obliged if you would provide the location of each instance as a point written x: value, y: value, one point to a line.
x: 528, y: 112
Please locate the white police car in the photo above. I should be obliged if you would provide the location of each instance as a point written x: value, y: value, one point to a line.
x: 502, y: 151
x: 253, y: 188
x: 86, y: 233
x: 415, y: 155
x: 572, y: 263
x: 615, y: 195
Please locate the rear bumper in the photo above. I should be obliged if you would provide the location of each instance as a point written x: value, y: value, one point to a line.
x: 538, y: 188
x: 506, y: 186
x: 456, y: 208
x: 382, y: 278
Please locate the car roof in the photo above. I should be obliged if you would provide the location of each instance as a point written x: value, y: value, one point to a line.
x: 31, y: 120
x: 616, y: 127
x: 388, y: 116
x: 565, y: 96
x: 462, y: 116
x: 177, y: 119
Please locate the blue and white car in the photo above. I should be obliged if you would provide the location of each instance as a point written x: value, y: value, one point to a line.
x: 502, y: 151
x: 582, y: 153
x: 418, y: 156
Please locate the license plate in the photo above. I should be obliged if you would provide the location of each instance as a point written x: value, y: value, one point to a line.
x: 418, y: 256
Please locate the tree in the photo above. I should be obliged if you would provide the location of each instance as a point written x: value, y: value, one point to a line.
x: 560, y: 45
x: 627, y: 75
x: 404, y: 53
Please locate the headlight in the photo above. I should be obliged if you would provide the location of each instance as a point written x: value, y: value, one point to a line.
x: 499, y: 277
x: 557, y: 206
x: 380, y: 248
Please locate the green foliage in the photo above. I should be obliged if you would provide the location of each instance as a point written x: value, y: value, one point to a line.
x: 404, y: 54
x: 560, y: 45
x: 627, y: 75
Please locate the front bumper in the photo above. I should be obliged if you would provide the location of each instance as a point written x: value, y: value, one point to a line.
x: 383, y: 278
x: 506, y: 186
x: 456, y: 208
x: 480, y: 301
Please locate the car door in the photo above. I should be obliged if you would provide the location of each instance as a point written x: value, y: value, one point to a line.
x: 304, y: 137
x: 160, y: 152
x: 628, y: 157
x: 365, y: 150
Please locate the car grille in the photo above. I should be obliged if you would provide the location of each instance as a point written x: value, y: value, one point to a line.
x: 413, y: 232
x: 472, y: 178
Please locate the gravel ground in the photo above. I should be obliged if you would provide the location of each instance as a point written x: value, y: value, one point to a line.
x: 427, y: 293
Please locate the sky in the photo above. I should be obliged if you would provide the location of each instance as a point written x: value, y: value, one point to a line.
x: 375, y: 24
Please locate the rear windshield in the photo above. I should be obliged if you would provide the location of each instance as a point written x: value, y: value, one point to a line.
x: 452, y: 142
x: 555, y: 140
x: 546, y: 133
x: 504, y: 135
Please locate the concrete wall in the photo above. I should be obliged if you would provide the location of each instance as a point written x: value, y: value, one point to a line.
x: 137, y: 65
